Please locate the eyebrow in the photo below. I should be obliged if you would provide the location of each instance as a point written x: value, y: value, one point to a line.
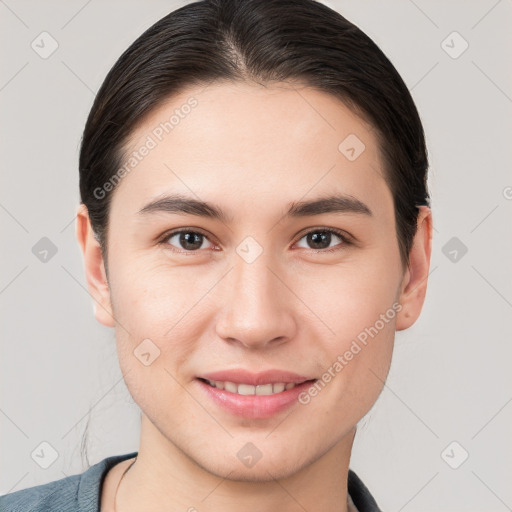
x: 179, y: 204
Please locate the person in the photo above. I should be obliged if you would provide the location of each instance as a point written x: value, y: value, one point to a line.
x: 255, y: 225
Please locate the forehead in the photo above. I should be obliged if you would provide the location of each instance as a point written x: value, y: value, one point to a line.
x: 272, y: 143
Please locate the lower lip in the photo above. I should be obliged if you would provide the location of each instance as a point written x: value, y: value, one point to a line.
x: 254, y: 406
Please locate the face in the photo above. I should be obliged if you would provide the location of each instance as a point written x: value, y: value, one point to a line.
x: 318, y: 292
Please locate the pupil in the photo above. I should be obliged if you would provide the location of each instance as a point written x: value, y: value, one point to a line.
x: 324, y: 237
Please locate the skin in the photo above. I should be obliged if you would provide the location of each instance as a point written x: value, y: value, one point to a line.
x: 291, y: 308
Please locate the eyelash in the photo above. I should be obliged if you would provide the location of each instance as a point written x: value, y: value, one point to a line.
x: 342, y: 235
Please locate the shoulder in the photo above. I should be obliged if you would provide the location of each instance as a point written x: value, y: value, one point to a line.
x: 80, y: 493
x: 58, y: 495
x: 360, y: 495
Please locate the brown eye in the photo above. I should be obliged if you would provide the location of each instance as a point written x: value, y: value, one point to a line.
x: 319, y: 240
x: 187, y: 241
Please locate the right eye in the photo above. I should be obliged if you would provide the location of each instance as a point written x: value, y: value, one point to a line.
x: 187, y: 240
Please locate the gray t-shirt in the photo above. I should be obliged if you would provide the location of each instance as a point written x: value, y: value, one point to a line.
x: 82, y: 492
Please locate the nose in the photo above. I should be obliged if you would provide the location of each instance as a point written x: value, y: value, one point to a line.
x: 258, y: 305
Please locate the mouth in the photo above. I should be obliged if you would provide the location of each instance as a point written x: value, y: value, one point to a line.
x: 249, y: 389
x: 253, y: 401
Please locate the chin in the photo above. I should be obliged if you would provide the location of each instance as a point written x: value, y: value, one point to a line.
x: 267, y: 465
x: 261, y: 472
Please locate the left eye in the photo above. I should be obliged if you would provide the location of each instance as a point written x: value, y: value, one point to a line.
x: 321, y: 238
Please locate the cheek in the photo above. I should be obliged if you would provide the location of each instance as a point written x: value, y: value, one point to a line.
x: 358, y: 309
x: 347, y: 299
x: 160, y: 316
x: 150, y: 299
x: 155, y: 332
x: 355, y: 369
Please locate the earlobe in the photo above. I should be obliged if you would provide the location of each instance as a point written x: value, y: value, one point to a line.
x: 94, y: 265
x: 414, y: 282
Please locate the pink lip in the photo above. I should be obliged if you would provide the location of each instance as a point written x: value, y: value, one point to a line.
x: 239, y: 376
x: 254, y: 406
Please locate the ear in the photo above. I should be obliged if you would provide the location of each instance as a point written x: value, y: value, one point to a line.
x: 414, y: 282
x: 94, y: 268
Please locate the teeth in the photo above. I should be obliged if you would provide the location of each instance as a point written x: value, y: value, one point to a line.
x: 248, y: 389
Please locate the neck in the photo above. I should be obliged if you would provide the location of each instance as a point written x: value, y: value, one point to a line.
x: 165, y: 478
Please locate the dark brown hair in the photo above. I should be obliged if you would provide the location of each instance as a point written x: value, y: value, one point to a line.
x: 263, y: 41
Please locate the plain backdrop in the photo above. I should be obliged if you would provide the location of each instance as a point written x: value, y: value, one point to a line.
x: 439, y: 436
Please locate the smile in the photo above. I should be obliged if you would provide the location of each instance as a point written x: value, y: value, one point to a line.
x: 248, y: 389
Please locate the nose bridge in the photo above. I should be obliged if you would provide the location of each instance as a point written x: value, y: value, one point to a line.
x: 253, y: 283
x: 256, y: 311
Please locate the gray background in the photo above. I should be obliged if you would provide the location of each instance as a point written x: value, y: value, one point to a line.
x: 450, y: 378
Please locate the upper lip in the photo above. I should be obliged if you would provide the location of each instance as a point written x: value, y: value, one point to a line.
x: 240, y: 376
